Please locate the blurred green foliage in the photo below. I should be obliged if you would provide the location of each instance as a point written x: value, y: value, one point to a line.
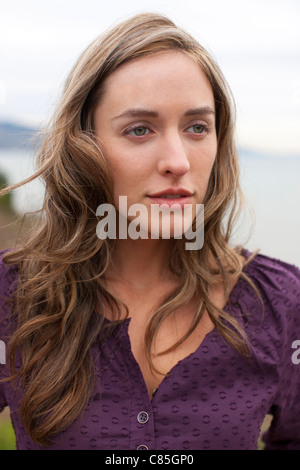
x: 5, y: 201
x: 7, y: 435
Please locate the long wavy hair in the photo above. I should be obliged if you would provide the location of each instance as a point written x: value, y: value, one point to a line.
x: 62, y: 263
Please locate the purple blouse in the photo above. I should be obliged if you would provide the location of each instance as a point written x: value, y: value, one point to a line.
x: 212, y: 399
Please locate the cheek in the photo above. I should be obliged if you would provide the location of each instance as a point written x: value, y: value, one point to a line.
x: 126, y: 177
x: 130, y: 171
x: 203, y: 164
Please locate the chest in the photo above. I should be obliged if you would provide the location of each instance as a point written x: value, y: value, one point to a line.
x: 166, y: 334
x: 163, y: 354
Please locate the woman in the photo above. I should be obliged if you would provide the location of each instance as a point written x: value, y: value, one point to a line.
x: 117, y: 341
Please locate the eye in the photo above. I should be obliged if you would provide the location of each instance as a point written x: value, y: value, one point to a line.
x: 138, y: 131
x: 197, y: 129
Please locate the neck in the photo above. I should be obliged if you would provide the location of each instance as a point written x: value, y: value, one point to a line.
x: 141, y: 263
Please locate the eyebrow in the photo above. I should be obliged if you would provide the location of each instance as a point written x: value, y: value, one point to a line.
x: 202, y: 111
x: 141, y: 112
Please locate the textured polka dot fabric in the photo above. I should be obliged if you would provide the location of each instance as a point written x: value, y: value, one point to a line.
x: 212, y: 399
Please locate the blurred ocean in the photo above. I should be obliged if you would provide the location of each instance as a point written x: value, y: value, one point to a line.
x: 271, y: 186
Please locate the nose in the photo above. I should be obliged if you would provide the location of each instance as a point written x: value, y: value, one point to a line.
x: 173, y: 158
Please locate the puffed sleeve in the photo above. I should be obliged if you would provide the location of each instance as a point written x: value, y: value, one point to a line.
x: 8, y: 282
x: 284, y: 431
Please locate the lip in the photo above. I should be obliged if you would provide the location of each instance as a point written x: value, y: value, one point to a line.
x: 157, y: 198
x: 172, y: 191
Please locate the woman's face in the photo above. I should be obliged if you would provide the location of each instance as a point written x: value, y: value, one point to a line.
x: 155, y: 125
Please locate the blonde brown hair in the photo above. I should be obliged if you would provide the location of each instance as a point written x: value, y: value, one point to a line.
x: 62, y: 263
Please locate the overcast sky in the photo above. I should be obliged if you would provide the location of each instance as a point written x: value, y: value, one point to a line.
x: 256, y: 43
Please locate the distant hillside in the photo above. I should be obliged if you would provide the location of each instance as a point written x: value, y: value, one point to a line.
x: 16, y: 136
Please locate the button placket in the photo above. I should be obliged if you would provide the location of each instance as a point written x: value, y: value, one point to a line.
x: 142, y: 434
x: 142, y: 418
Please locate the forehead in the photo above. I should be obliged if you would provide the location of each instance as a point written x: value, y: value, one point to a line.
x: 155, y: 79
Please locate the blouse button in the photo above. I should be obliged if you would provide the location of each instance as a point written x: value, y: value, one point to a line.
x: 143, y: 417
x: 142, y: 447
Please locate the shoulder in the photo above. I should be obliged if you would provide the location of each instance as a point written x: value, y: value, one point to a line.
x: 9, y: 276
x: 278, y: 281
x: 273, y: 319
